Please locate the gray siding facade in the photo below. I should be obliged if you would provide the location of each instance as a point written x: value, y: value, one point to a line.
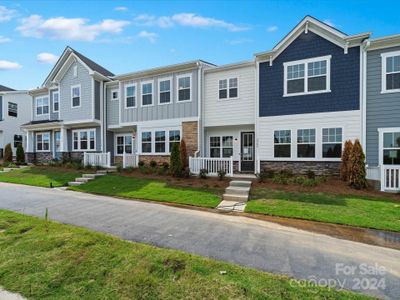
x: 382, y: 110
x: 1, y: 108
x: 97, y: 98
x: 53, y: 115
x: 112, y: 106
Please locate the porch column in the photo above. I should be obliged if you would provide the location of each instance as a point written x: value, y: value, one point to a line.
x: 29, y: 141
x: 63, y: 140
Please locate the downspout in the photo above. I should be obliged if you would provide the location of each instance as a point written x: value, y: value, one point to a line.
x: 199, y: 110
x: 258, y: 163
x: 104, y: 116
x: 364, y: 48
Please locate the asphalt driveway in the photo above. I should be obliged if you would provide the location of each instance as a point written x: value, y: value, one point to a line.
x: 257, y: 244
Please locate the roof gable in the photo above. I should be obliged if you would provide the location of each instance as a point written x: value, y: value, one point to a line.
x: 5, y: 89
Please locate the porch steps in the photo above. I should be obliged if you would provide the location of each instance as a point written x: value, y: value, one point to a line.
x: 236, y: 196
x: 87, y: 177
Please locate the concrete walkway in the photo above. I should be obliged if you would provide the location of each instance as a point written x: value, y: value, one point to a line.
x: 253, y: 243
x: 4, y: 295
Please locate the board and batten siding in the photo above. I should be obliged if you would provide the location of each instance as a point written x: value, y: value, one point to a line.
x: 349, y: 121
x: 172, y: 110
x: 112, y: 106
x: 85, y: 111
x: 382, y: 110
x: 228, y: 112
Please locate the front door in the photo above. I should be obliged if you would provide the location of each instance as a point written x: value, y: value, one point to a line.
x: 247, y: 151
x: 57, y: 145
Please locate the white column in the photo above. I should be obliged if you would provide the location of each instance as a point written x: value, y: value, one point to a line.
x: 63, y: 140
x: 29, y: 141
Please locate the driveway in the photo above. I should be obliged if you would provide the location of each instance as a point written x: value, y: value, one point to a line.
x: 253, y: 243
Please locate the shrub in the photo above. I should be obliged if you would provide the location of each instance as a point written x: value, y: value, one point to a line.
x: 98, y: 168
x: 153, y: 164
x: 310, y: 174
x: 8, y: 155
x: 203, y: 173
x: 357, y: 174
x: 286, y: 173
x: 165, y: 166
x: 129, y: 169
x: 345, y: 163
x: 186, y: 172
x: 280, y: 179
x: 119, y: 168
x: 141, y: 163
x: 175, y: 161
x: 20, y: 154
x: 221, y: 174
x: 89, y: 167
x: 262, y: 175
x: 183, y: 154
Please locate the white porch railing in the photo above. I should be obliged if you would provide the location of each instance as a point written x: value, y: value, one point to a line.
x: 211, y: 164
x: 129, y: 160
x: 97, y: 159
x: 390, y: 178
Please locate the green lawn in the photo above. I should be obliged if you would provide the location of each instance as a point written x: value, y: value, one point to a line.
x: 48, y: 260
x: 149, y: 189
x: 40, y: 176
x: 341, y: 209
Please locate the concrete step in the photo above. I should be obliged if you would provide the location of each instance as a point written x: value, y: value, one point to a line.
x: 92, y: 176
x: 237, y: 190
x: 74, y: 183
x: 82, y: 179
x: 231, y: 206
x: 236, y: 198
x: 240, y: 183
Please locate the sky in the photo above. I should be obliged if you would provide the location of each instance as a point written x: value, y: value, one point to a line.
x: 127, y: 36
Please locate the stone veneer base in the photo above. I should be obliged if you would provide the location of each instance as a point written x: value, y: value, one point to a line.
x: 325, y: 168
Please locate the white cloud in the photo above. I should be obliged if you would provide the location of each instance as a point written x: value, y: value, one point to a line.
x: 120, y: 8
x: 272, y: 28
x: 47, y: 58
x: 68, y: 28
x: 6, y: 14
x: 151, y: 36
x: 329, y: 22
x: 4, y: 39
x: 239, y: 41
x: 9, y: 65
x: 187, y: 20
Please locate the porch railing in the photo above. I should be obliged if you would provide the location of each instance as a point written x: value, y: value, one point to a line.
x: 97, y: 159
x: 212, y: 165
x: 390, y: 178
x: 129, y: 160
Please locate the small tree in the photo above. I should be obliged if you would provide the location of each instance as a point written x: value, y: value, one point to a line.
x: 183, y: 154
x: 345, y: 164
x: 357, y: 174
x: 20, y: 154
x: 8, y: 155
x: 175, y: 161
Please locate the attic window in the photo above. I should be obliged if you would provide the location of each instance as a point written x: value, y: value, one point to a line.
x: 75, y: 71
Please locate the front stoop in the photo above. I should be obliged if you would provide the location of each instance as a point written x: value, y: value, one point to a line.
x: 87, y: 177
x: 236, y: 196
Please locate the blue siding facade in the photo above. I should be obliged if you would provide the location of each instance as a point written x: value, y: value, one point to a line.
x: 345, y: 79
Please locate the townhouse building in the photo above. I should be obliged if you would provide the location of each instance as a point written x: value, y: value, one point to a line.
x: 15, y: 110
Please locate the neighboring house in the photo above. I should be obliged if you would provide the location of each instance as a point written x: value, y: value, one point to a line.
x: 68, y: 111
x: 382, y: 114
x: 14, y: 111
x: 309, y: 98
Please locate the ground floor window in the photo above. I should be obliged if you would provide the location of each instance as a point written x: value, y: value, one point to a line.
x: 84, y: 139
x: 391, y: 148
x: 282, y: 143
x: 17, y: 140
x: 332, y: 142
x: 146, y: 142
x: 160, y: 141
x: 43, y: 141
x: 124, y: 143
x: 174, y: 138
x: 306, y: 143
x: 221, y: 146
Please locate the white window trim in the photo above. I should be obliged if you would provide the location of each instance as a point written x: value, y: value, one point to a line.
x: 315, y: 142
x: 36, y: 141
x: 170, y: 90
x: 88, y: 141
x: 116, y: 144
x: 152, y: 93
x: 221, y: 144
x: 80, y: 95
x: 384, y: 56
x: 36, y: 106
x: 381, y: 132
x: 227, y: 89
x: 322, y: 142
x: 58, y: 93
x: 126, y: 95
x: 112, y: 92
x: 8, y: 109
x: 290, y: 144
x: 327, y: 58
x: 153, y: 140
x: 177, y: 88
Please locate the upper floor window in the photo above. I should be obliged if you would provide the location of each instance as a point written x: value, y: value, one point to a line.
x: 391, y: 72
x: 308, y: 76
x: 84, y: 139
x: 114, y: 95
x: 56, y: 101
x: 130, y: 96
x: 332, y: 142
x: 42, y: 106
x: 282, y: 143
x: 391, y: 148
x: 165, y: 91
x: 76, y: 95
x: 306, y: 143
x: 228, y: 88
x: 184, y: 88
x: 147, y: 93
x: 12, y: 109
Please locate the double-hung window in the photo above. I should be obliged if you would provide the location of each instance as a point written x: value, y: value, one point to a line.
x: 42, y: 106
x: 17, y: 140
x: 146, y: 142
x: 164, y: 87
x: 43, y: 141
x: 130, y: 96
x: 160, y: 142
x: 228, y: 88
x: 147, y: 94
x: 56, y: 101
x: 221, y: 146
x: 12, y: 109
x: 282, y: 143
x: 174, y: 138
x: 308, y: 76
x: 391, y: 148
x: 391, y: 72
x: 76, y: 95
x: 306, y: 143
x: 124, y: 144
x: 84, y: 140
x: 332, y: 142
x: 215, y: 146
x: 184, y: 88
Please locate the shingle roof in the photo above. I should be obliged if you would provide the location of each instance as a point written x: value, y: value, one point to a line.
x: 41, y: 122
x: 91, y: 64
x: 5, y: 89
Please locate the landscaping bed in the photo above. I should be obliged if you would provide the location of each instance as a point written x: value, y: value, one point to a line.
x: 52, y: 260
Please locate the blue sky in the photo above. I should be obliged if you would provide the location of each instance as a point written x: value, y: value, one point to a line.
x: 126, y: 36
